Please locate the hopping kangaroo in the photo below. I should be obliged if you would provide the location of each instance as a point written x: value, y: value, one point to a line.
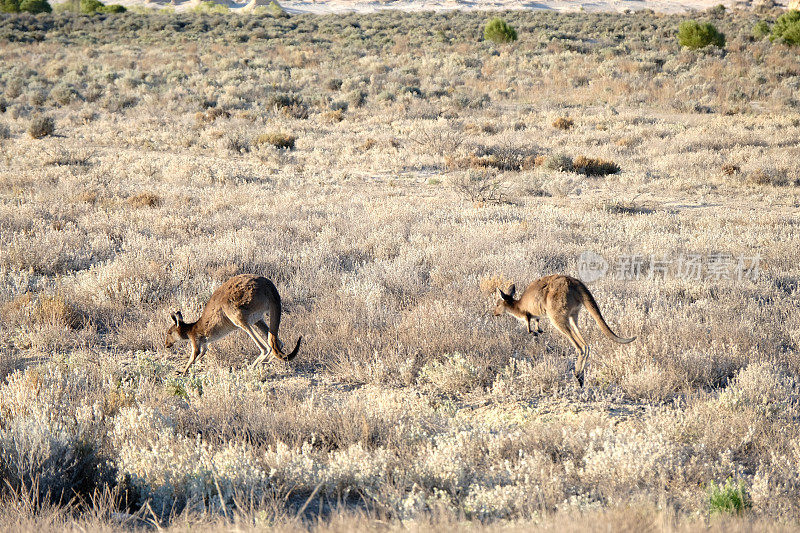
x: 559, y: 298
x: 239, y: 303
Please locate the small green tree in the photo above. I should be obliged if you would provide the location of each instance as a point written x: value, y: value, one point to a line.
x: 276, y: 10
x: 35, y: 6
x: 787, y: 28
x: 761, y: 29
x: 89, y: 7
x: 694, y: 35
x: 498, y: 31
x: 9, y: 6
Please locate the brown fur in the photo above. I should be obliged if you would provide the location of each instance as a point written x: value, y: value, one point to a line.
x: 239, y: 303
x: 559, y: 298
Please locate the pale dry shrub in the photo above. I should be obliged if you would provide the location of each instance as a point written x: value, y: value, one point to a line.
x: 442, y: 138
x: 171, y: 470
x: 764, y: 385
x: 480, y: 186
x: 52, y: 432
x: 560, y: 162
x: 41, y: 126
x: 453, y: 374
x: 769, y: 176
x: 523, y: 378
x: 237, y: 141
x: 226, y: 411
x: 652, y: 383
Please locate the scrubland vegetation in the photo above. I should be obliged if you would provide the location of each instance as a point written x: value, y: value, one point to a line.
x: 388, y: 172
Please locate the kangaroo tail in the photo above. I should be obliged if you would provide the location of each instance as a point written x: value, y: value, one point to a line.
x: 275, y: 323
x: 591, y: 306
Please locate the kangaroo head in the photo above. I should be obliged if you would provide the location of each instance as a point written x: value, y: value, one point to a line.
x: 504, y: 300
x: 178, y: 331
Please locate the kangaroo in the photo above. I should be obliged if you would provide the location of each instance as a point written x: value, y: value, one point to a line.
x: 240, y: 303
x: 559, y: 298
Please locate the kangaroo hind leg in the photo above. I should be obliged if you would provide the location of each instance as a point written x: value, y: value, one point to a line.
x: 240, y: 321
x: 562, y: 324
x: 583, y: 358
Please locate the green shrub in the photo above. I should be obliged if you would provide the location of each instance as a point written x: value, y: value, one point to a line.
x: 112, y: 8
x: 89, y: 7
x: 498, y: 31
x: 761, y: 29
x: 729, y: 498
x: 35, y: 6
x: 787, y: 28
x: 275, y: 9
x: 9, y: 6
x: 694, y: 35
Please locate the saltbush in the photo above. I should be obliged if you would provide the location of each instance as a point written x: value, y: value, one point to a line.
x: 694, y: 35
x: 41, y: 126
x: 51, y: 433
x: 787, y: 28
x: 498, y: 31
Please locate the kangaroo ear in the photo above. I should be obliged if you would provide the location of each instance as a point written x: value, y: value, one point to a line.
x: 500, y: 294
x: 177, y: 317
x: 512, y: 289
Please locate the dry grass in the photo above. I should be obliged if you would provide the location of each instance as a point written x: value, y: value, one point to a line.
x: 144, y: 199
x: 278, y: 140
x: 426, y: 173
x: 563, y: 123
x: 594, y: 167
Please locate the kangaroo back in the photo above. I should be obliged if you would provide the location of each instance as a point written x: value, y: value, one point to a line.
x: 591, y: 306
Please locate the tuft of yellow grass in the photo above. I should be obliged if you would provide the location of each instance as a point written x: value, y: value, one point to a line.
x: 145, y: 199
x: 563, y: 123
